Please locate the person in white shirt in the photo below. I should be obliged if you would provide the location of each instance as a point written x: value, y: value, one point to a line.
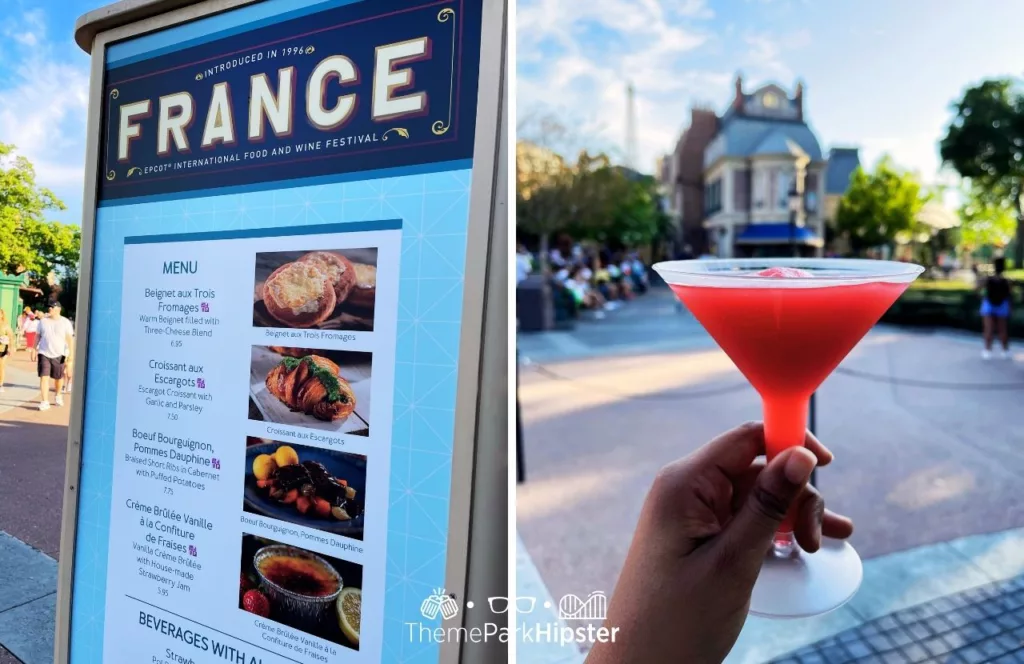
x: 53, y: 345
x: 524, y: 264
x: 31, y: 335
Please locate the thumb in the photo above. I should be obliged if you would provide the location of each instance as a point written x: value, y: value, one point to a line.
x: 752, y: 529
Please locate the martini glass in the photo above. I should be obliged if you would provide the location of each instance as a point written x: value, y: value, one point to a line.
x: 787, y: 324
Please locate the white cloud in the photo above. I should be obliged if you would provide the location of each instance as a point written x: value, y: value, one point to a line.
x: 766, y: 55
x: 43, y: 113
x: 44, y: 103
x: 25, y: 38
x: 577, y: 59
x: 35, y: 18
x: 27, y: 29
x: 649, y: 40
x: 916, y: 151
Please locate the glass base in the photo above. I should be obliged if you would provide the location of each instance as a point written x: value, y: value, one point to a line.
x: 807, y: 584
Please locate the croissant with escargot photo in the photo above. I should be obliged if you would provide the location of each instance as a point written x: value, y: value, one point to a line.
x: 312, y: 385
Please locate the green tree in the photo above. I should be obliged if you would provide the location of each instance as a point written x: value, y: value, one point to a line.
x: 553, y: 195
x: 30, y: 243
x: 986, y: 220
x: 879, y: 206
x: 631, y: 216
x: 985, y: 143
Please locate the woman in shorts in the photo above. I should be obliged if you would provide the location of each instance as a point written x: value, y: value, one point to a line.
x: 995, y: 310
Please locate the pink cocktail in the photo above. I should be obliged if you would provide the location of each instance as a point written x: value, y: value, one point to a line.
x: 786, y: 330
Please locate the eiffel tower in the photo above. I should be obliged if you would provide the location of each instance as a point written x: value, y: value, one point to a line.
x: 631, y: 142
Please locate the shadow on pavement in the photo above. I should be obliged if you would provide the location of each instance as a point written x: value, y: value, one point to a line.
x: 914, y: 465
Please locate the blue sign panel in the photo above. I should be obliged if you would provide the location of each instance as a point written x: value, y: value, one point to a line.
x: 361, y: 87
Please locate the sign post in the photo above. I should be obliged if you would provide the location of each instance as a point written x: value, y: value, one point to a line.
x: 292, y: 428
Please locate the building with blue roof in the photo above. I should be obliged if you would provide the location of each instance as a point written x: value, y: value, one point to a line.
x: 766, y: 187
x: 842, y: 162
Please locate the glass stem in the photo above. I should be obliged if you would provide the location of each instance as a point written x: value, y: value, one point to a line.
x: 785, y: 426
x: 784, y: 544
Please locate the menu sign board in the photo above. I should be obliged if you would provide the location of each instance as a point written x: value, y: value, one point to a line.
x: 274, y: 327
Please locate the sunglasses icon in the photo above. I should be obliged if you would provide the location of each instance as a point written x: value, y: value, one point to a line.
x: 501, y: 604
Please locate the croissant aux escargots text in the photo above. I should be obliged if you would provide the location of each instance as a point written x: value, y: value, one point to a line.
x: 312, y: 384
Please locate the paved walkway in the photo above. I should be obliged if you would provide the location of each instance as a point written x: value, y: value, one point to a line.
x: 929, y: 444
x: 906, y: 587
x: 21, y: 386
x: 985, y: 624
x: 32, y: 445
x: 529, y: 584
x: 923, y: 576
x: 27, y: 604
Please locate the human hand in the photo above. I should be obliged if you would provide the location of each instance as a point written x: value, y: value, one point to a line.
x: 704, y: 530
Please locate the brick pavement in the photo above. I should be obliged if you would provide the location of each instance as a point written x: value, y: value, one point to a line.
x: 32, y: 449
x: 984, y: 625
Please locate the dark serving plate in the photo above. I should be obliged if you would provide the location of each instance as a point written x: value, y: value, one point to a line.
x: 341, y: 465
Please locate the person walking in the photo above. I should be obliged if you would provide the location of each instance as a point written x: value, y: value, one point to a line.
x: 31, y: 332
x: 54, y: 344
x: 6, y: 345
x: 20, y: 330
x: 995, y: 310
x: 69, y: 365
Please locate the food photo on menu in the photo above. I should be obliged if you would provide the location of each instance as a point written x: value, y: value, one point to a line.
x: 306, y: 486
x: 328, y: 290
x: 304, y: 387
x: 307, y: 591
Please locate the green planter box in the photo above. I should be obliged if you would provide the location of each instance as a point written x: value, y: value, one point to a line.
x: 10, y: 297
x: 948, y: 307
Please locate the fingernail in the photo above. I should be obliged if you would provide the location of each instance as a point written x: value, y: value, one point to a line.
x: 799, y: 465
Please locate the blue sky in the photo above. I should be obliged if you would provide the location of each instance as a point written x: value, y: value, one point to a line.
x: 878, y: 74
x: 44, y: 80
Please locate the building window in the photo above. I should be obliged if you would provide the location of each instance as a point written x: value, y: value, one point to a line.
x: 785, y: 181
x: 769, y: 100
x: 760, y: 188
x: 713, y: 197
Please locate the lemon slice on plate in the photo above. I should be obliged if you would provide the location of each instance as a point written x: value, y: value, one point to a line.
x: 349, y: 605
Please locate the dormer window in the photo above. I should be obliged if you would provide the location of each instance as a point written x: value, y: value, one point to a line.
x: 769, y: 100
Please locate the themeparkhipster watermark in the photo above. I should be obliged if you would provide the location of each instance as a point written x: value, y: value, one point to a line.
x: 549, y: 629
